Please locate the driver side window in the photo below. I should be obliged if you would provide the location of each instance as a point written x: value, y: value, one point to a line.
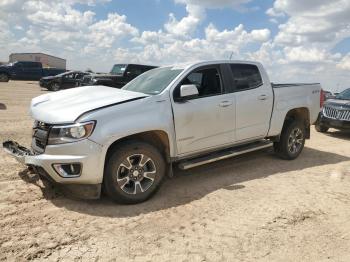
x: 206, y: 80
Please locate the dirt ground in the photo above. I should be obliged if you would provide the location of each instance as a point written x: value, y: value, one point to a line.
x: 252, y: 208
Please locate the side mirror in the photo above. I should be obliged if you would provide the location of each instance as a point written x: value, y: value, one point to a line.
x: 188, y: 91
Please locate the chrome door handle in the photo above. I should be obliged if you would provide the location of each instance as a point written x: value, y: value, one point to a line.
x: 263, y: 97
x: 225, y: 103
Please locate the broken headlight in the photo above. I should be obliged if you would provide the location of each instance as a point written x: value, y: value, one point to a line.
x: 70, y: 133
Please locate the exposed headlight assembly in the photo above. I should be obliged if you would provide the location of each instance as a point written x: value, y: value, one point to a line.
x: 70, y: 133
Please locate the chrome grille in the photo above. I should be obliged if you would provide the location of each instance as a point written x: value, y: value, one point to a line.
x: 338, y: 114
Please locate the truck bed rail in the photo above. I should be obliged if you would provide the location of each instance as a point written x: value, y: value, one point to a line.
x: 292, y: 84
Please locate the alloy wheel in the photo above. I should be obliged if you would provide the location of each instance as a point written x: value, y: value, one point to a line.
x: 295, y: 140
x: 136, y: 174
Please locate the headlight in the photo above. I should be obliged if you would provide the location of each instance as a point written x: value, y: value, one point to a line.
x: 70, y: 133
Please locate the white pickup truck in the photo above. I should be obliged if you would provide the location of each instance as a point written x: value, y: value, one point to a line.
x: 126, y: 140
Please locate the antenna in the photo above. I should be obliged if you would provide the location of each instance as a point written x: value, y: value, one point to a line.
x: 231, y: 55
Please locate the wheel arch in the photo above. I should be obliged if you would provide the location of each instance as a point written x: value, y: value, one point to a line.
x: 301, y: 114
x: 157, y: 138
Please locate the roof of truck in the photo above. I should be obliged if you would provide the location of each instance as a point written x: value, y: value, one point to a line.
x: 209, y: 62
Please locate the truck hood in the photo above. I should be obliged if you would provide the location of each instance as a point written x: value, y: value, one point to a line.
x: 66, y: 106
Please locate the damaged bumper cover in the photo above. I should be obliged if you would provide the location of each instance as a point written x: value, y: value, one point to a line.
x: 54, y: 165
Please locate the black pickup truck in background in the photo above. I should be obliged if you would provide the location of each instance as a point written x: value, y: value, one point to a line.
x: 24, y: 70
x: 120, y: 75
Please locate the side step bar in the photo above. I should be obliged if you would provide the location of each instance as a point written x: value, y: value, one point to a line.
x: 227, y: 153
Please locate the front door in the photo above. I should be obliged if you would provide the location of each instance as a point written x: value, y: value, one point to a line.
x: 206, y: 121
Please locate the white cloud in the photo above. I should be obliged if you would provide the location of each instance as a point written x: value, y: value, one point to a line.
x: 187, y: 25
x: 317, y: 22
x: 302, y: 49
x: 345, y: 63
x: 214, y: 3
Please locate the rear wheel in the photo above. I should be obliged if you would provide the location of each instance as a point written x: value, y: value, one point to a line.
x: 54, y: 87
x: 133, y: 173
x: 292, y: 140
x: 4, y: 77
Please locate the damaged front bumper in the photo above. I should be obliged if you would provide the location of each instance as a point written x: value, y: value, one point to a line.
x: 54, y: 165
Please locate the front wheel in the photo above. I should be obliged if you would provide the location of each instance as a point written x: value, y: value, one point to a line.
x: 4, y: 77
x: 54, y: 87
x: 292, y: 141
x: 133, y: 173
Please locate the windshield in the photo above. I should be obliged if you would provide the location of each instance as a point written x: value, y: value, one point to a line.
x: 118, y: 69
x: 64, y: 73
x: 154, y: 81
x: 345, y: 95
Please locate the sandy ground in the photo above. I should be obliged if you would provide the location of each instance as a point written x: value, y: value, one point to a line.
x: 252, y: 208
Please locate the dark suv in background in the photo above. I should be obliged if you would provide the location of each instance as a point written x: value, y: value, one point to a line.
x: 62, y: 81
x: 120, y: 75
x: 335, y: 113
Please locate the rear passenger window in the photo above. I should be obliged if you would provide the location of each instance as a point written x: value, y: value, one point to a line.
x: 246, y: 76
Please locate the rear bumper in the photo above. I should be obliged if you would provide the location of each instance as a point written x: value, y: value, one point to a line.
x: 333, y: 123
x: 85, y: 152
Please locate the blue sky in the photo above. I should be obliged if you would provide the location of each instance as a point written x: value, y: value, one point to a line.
x: 296, y: 40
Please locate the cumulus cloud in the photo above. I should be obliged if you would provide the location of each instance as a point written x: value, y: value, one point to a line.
x: 345, y: 63
x: 187, y: 25
x: 320, y: 22
x: 301, y: 50
x: 214, y: 3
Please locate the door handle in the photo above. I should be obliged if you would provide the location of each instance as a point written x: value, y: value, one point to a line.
x: 225, y: 103
x: 263, y: 97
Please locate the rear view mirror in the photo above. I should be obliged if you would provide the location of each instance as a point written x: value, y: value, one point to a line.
x: 188, y: 91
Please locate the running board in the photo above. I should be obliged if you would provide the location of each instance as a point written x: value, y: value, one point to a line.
x: 227, y: 153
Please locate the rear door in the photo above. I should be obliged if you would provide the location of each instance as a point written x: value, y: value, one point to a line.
x: 208, y: 120
x: 254, y: 101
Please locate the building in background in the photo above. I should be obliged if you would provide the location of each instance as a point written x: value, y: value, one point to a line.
x: 45, y: 59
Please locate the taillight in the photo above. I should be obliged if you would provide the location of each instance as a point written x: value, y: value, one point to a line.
x: 322, y: 98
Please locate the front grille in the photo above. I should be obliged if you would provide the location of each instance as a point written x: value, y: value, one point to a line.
x: 335, y: 113
x: 40, y: 136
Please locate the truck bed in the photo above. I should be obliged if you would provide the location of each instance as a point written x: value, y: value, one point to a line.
x: 294, y: 95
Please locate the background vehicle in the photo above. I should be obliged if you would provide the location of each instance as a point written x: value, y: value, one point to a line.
x: 335, y: 113
x: 190, y: 115
x: 120, y: 75
x: 328, y: 95
x: 62, y: 81
x: 23, y: 70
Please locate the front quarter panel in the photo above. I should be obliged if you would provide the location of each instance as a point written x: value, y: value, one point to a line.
x: 122, y: 120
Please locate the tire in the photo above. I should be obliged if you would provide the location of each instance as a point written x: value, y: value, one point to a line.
x: 4, y: 77
x: 128, y: 178
x: 54, y: 86
x: 292, y: 140
x: 321, y: 129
